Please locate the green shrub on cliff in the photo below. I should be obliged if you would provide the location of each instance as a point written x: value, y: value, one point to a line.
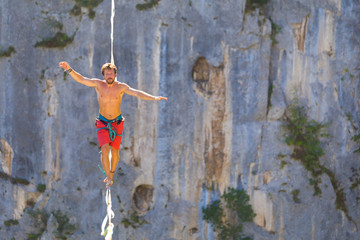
x: 356, y: 139
x: 133, y: 221
x: 14, y: 180
x: 89, y: 4
x: 275, y: 29
x: 227, y: 215
x: 65, y: 228
x: 41, y: 187
x: 10, y: 222
x: 251, y: 5
x: 40, y: 217
x: 7, y: 52
x: 304, y: 135
x: 147, y: 5
x: 59, y: 40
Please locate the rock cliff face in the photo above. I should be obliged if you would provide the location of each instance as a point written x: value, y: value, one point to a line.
x: 230, y: 69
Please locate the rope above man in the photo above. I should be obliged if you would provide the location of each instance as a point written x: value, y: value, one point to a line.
x: 110, y: 121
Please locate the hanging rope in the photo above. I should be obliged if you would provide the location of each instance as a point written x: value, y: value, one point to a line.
x: 112, y: 30
x: 107, y: 231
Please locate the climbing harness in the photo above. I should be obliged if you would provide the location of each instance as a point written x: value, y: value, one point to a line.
x: 109, y: 127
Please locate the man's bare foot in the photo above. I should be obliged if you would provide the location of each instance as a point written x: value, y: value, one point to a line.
x: 111, y: 174
x: 108, y: 182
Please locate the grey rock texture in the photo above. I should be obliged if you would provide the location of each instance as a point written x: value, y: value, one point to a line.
x: 229, y: 79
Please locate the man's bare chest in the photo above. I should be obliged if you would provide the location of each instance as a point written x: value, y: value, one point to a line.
x: 109, y: 94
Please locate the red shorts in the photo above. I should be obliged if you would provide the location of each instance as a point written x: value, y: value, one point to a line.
x: 103, y: 134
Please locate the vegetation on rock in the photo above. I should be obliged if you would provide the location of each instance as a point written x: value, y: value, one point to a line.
x: 356, y: 138
x: 346, y: 74
x: 355, y: 178
x: 76, y: 10
x: 65, y: 228
x: 41, y: 217
x: 8, y: 52
x: 10, y: 222
x: 304, y: 136
x: 295, y: 195
x: 14, y: 180
x: 227, y: 215
x: 147, y: 5
x: 133, y: 221
x: 41, y: 187
x: 275, y: 29
x: 349, y: 117
x: 59, y: 40
x: 251, y: 5
x: 89, y: 4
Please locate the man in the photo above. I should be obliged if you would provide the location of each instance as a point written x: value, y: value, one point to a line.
x: 110, y: 121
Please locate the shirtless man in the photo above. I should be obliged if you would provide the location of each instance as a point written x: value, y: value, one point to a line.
x: 110, y: 121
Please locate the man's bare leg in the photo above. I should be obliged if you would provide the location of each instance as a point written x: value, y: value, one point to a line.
x: 106, y: 163
x: 114, y: 160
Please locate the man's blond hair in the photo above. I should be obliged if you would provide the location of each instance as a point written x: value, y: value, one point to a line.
x: 108, y: 66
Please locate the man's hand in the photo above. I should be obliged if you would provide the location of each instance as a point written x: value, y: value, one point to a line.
x: 160, y: 98
x: 64, y: 65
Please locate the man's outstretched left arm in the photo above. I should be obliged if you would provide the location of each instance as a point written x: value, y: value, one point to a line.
x: 143, y: 95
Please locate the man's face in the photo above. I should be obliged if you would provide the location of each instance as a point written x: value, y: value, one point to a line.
x: 109, y: 76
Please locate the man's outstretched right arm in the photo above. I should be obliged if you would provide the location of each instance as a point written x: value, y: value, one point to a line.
x: 77, y: 76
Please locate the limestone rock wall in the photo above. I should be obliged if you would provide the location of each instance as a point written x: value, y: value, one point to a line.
x: 229, y: 73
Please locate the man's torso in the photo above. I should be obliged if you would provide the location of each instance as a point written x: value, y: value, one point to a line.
x: 109, y: 98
